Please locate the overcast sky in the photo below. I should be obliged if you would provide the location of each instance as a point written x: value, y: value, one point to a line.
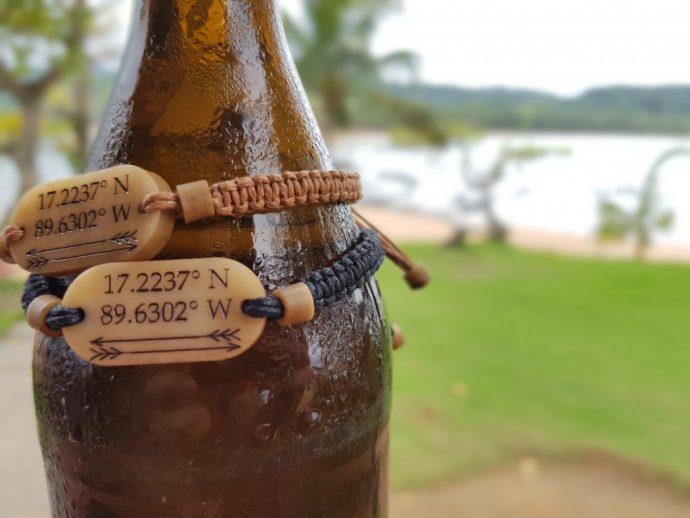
x: 564, y: 46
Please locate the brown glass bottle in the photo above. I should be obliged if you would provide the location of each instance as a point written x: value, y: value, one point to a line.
x: 297, y: 426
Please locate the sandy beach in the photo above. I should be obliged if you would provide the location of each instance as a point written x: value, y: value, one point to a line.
x: 411, y: 227
x: 416, y: 227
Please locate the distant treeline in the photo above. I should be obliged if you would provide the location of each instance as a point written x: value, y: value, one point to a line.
x: 664, y: 109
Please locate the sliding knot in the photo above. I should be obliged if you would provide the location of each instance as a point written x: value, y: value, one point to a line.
x: 161, y: 201
x: 10, y: 235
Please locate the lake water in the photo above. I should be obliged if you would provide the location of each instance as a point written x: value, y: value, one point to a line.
x: 558, y: 193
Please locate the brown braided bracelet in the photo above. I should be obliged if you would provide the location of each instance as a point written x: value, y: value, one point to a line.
x: 239, y: 198
x: 257, y: 194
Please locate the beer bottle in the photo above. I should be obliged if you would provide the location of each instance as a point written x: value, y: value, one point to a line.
x: 296, y: 426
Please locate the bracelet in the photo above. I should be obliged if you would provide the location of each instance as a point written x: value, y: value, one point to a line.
x: 77, y: 228
x: 256, y: 194
x: 106, y: 226
x: 289, y: 305
x: 237, y: 198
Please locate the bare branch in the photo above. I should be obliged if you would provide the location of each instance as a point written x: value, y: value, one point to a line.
x: 50, y: 77
x: 8, y: 82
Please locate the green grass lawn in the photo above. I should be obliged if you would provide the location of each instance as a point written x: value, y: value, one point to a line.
x: 10, y: 310
x: 511, y: 352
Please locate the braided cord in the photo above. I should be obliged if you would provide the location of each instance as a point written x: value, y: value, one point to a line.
x: 331, y: 284
x: 59, y: 316
x: 328, y: 285
x: 265, y: 307
x: 269, y: 193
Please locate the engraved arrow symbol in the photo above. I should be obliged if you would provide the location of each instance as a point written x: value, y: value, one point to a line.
x: 228, y: 335
x: 109, y: 352
x: 127, y: 238
x: 36, y: 261
x: 125, y: 241
x: 105, y: 353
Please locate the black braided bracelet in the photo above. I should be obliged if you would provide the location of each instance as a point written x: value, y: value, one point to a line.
x: 328, y: 285
x: 333, y: 283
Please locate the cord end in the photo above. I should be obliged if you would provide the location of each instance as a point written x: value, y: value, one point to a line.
x: 417, y: 277
x: 10, y: 235
x: 5, y: 255
x: 398, y: 338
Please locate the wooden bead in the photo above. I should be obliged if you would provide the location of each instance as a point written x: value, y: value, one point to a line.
x: 398, y: 337
x: 298, y: 304
x: 417, y: 277
x: 196, y: 201
x: 5, y: 254
x: 37, y: 312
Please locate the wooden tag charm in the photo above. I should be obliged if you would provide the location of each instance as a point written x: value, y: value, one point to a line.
x: 158, y: 312
x: 72, y: 224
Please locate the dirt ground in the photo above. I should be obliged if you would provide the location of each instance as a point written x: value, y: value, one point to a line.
x: 588, y: 488
x: 596, y: 487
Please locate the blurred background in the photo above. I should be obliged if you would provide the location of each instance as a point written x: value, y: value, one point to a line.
x: 535, y: 155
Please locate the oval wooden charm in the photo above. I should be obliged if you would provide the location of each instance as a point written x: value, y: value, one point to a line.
x: 81, y: 221
x: 158, y: 312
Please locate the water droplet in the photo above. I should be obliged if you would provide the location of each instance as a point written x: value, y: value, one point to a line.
x: 263, y: 432
x: 311, y: 417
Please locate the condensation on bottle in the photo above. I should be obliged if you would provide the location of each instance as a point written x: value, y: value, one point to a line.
x: 297, y: 426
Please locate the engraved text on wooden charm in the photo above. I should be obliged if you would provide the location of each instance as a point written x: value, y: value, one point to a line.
x: 81, y: 221
x: 157, y: 312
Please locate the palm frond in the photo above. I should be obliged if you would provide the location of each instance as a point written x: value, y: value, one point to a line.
x: 401, y: 59
x: 665, y: 221
x: 615, y: 223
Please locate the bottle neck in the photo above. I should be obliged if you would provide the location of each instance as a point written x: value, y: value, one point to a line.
x: 210, y: 92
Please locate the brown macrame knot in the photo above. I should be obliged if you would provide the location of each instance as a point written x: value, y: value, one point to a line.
x: 11, y: 234
x: 161, y: 201
x: 269, y: 193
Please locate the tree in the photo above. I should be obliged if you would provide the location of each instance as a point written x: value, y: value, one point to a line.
x: 333, y: 55
x: 482, y: 185
x: 646, y: 217
x: 79, y: 116
x: 44, y: 45
x: 41, y: 42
